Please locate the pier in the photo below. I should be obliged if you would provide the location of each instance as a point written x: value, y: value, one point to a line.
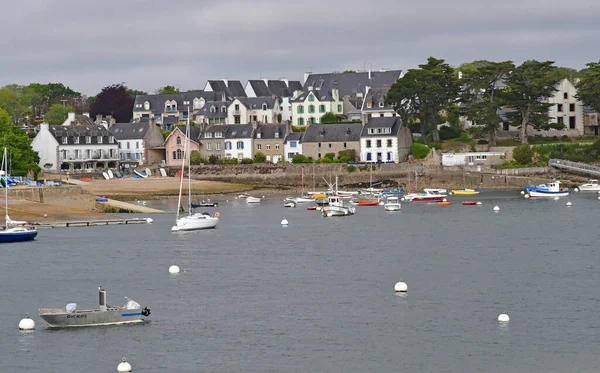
x: 130, y: 207
x: 88, y: 223
x: 582, y: 168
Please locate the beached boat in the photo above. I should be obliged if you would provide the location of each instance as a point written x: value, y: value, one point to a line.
x: 591, y: 186
x: 14, y: 231
x: 141, y: 174
x: 392, y: 204
x: 553, y: 189
x: 466, y: 192
x: 251, y: 199
x: 70, y: 316
x: 425, y: 196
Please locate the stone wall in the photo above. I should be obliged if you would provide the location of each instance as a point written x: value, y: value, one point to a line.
x: 68, y: 196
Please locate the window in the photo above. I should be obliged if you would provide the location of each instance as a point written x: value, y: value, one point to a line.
x: 389, y: 143
x: 311, y: 98
x: 291, y: 155
x: 128, y: 144
x: 293, y: 144
x: 240, y: 145
x: 213, y: 109
x: 196, y: 104
x: 300, y: 109
x: 76, y: 139
x: 178, y: 141
x: 368, y: 156
x: 259, y: 147
x: 381, y: 115
x: 300, y: 121
x: 88, y: 139
x: 330, y: 145
x: 137, y: 144
x: 560, y: 120
x: 208, y: 135
x: 319, y: 145
x: 379, y: 130
x: 146, y: 105
x: 111, y: 139
x: 339, y: 108
x: 559, y: 108
x: 227, y: 145
x: 99, y: 139
x: 237, y: 119
x: 264, y: 106
x: 311, y: 108
x: 345, y: 145
x: 268, y: 146
x: 572, y: 122
x: 319, y: 156
x: 223, y: 109
x: 389, y: 156
x: 64, y: 139
x: 178, y: 154
x: 276, y: 146
x: 571, y: 107
x: 387, y: 130
x: 380, y: 104
x: 218, y: 146
x: 369, y: 105
x: 311, y: 120
x: 321, y: 108
x: 371, y: 131
x: 379, y: 157
x: 209, y: 146
x: 237, y: 107
x: 566, y: 96
x: 368, y: 143
x: 218, y: 135
x: 276, y: 135
x: 379, y: 143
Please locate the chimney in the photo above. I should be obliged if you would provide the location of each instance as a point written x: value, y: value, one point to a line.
x: 369, y: 74
x: 266, y: 81
x: 98, y: 118
x: 151, y: 122
x: 226, y: 82
x: 286, y: 81
x: 86, y: 114
x: 306, y: 75
x: 335, y: 93
x: 70, y: 119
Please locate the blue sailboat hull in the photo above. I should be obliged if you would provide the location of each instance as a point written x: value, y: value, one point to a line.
x: 17, y: 236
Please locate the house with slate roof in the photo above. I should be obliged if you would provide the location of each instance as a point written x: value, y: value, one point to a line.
x: 238, y: 141
x: 174, y: 145
x: 310, y: 106
x: 137, y: 140
x: 76, y: 148
x: 292, y: 145
x: 320, y: 139
x: 269, y: 139
x: 375, y: 105
x: 254, y: 110
x: 232, y: 88
x: 384, y: 139
x: 284, y: 89
x: 213, y: 112
x: 212, y: 141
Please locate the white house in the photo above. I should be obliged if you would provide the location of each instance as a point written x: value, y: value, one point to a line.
x: 76, y: 148
x: 284, y: 89
x: 382, y: 140
x: 375, y: 105
x: 238, y: 141
x: 292, y: 145
x: 472, y: 159
x: 254, y: 110
x: 566, y: 109
x: 136, y: 139
x: 310, y: 106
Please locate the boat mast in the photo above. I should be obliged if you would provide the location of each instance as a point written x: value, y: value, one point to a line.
x: 5, y: 161
x: 189, y: 158
x: 181, y: 179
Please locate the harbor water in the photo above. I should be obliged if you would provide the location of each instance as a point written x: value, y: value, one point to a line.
x: 318, y: 295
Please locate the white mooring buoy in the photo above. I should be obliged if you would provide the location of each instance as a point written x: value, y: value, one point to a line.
x: 400, y: 287
x: 503, y: 317
x: 124, y: 366
x: 450, y: 193
x: 569, y: 204
x: 556, y: 198
x: 496, y: 208
x: 26, y: 323
x: 527, y: 196
x: 284, y: 222
x: 149, y: 220
x: 444, y: 200
x: 174, y: 269
x: 576, y: 190
x: 522, y: 192
x: 144, y: 203
x: 479, y: 203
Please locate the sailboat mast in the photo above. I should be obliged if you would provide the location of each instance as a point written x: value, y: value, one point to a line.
x: 189, y: 163
x: 181, y: 179
x: 5, y: 161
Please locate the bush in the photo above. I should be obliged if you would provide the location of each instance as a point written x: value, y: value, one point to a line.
x: 523, y: 154
x: 328, y: 118
x: 228, y: 161
x: 195, y: 158
x: 344, y: 159
x: 330, y: 156
x: 482, y: 142
x: 351, y: 168
x: 300, y: 158
x: 449, y: 132
x: 435, y: 145
x: 351, y: 153
x: 419, y: 151
x: 260, y: 157
x: 325, y: 160
x: 247, y: 161
x: 213, y: 159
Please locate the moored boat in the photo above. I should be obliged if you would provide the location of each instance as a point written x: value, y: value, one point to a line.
x: 553, y: 189
x: 469, y: 203
x: 591, y: 186
x: 205, y: 204
x: 70, y: 316
x: 466, y: 192
x: 392, y: 204
x: 289, y: 204
x: 251, y: 199
x: 425, y: 196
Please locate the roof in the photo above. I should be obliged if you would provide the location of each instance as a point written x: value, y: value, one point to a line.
x: 157, y: 102
x: 394, y: 123
x: 332, y: 132
x: 169, y: 119
x: 294, y: 85
x: 268, y: 131
x: 320, y: 95
x: 80, y: 130
x: 233, y: 88
x: 239, y: 131
x: 194, y: 133
x: 218, y: 113
x: 129, y: 131
x: 280, y: 88
x: 377, y: 97
x: 294, y: 136
x: 257, y: 102
x: 351, y: 83
x: 259, y: 87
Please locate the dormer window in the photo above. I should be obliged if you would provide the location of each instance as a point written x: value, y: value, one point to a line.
x: 213, y: 109
x: 322, y: 133
x: 371, y: 131
x: 380, y: 104
x: 276, y: 135
x: 369, y: 105
x: 196, y: 104
x: 264, y: 106
x: 88, y: 139
x: 76, y: 139
x: 348, y: 132
x: 223, y: 109
x: 218, y: 134
x: 258, y: 135
x: 208, y: 135
x: 111, y: 139
x: 146, y: 105
x: 99, y: 139
x: 65, y: 140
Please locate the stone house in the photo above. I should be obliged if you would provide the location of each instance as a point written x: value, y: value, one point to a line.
x: 269, y: 139
x: 320, y: 139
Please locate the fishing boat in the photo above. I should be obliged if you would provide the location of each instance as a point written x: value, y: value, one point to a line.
x: 336, y: 206
x: 193, y: 221
x: 553, y: 189
x: 425, y: 196
x: 466, y: 192
x: 70, y: 316
x: 251, y: 199
x: 591, y: 186
x: 14, y: 231
x: 392, y: 204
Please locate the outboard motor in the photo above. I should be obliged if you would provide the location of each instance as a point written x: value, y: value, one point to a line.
x: 102, y: 298
x: 146, y: 312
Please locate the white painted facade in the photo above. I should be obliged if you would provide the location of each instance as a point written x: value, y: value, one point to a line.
x: 566, y: 109
x: 239, y: 113
x: 310, y: 110
x: 468, y: 159
x: 131, y: 150
x: 291, y: 148
x: 238, y: 148
x: 46, y: 146
x: 380, y: 148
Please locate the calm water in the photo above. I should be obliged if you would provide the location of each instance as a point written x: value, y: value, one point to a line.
x: 318, y: 296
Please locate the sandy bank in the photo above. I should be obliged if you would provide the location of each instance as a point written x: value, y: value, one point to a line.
x: 35, y: 211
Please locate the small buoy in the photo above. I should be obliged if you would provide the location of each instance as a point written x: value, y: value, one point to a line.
x: 174, y: 269
x: 503, y: 317
x: 26, y: 323
x: 263, y: 196
x: 329, y: 214
x: 226, y: 200
x: 569, y: 204
x: 479, y: 203
x: 496, y: 208
x: 402, y: 199
x: 400, y: 287
x: 149, y: 220
x: 527, y: 196
x: 284, y: 222
x: 449, y: 193
x: 381, y: 203
x: 598, y: 192
x: 599, y: 197
x: 144, y: 203
x: 576, y: 190
x: 444, y: 200
x: 556, y: 198
x: 522, y: 192
x: 175, y: 229
x: 124, y: 366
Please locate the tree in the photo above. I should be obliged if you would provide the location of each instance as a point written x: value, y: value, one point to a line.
x: 522, y: 154
x: 115, y: 101
x: 195, y: 158
x: 13, y: 101
x: 134, y: 92
x: 260, y: 157
x: 588, y: 88
x: 482, y: 88
x: 328, y: 118
x: 22, y: 157
x: 528, y: 88
x: 561, y: 73
x: 421, y: 94
x: 58, y: 114
x: 167, y: 90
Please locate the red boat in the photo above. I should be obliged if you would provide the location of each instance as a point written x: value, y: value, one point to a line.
x: 469, y: 203
x: 311, y: 208
x: 368, y: 203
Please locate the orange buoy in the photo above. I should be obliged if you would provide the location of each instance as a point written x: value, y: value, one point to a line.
x: 444, y: 203
x: 217, y: 214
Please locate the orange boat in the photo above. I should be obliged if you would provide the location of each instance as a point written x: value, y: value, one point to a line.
x: 444, y: 203
x: 368, y: 203
x: 86, y: 179
x: 469, y: 203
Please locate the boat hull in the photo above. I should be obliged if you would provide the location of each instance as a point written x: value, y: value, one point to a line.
x: 465, y: 192
x: 252, y: 200
x: 534, y: 194
x: 196, y: 222
x: 199, y: 205
x: 469, y: 203
x: 337, y: 211
x: 590, y: 188
x: 91, y: 318
x: 7, y: 236
x: 392, y: 207
x: 429, y: 199
x: 370, y: 203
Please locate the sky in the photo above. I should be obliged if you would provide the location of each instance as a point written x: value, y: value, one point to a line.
x: 150, y: 44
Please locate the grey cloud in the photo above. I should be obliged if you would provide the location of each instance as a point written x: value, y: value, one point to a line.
x: 185, y: 42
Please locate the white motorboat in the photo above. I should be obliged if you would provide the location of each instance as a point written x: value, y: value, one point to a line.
x: 591, y: 186
x: 436, y: 190
x: 299, y: 200
x: 337, y: 207
x: 392, y: 204
x: 194, y: 221
x: 425, y: 196
x: 251, y: 199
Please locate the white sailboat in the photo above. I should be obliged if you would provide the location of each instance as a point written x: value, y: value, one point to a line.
x: 14, y: 231
x: 195, y: 221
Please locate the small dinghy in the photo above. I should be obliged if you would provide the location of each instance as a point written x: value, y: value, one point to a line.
x: 141, y: 174
x: 205, y: 204
x: 70, y: 316
x: 469, y: 203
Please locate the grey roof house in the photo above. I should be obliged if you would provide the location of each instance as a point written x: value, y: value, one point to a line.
x: 384, y: 139
x: 320, y: 139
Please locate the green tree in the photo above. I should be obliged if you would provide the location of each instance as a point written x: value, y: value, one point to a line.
x: 58, y: 114
x: 482, y: 97
x: 134, y: 92
x: 260, y: 157
x: 588, y: 88
x: 328, y: 118
x: 528, y: 88
x: 23, y: 158
x: 523, y: 154
x: 421, y: 94
x: 195, y: 158
x: 561, y: 73
x: 419, y: 151
x: 167, y: 90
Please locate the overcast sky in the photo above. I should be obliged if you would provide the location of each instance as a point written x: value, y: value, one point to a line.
x: 89, y: 45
